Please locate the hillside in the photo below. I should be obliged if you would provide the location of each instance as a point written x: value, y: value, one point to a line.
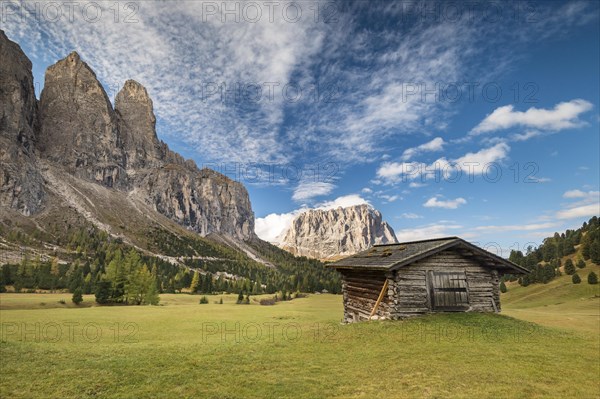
x: 558, y: 302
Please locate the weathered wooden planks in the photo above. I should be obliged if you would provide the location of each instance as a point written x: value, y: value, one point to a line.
x: 413, y: 289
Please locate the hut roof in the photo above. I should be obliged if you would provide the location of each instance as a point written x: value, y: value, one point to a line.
x: 393, y: 256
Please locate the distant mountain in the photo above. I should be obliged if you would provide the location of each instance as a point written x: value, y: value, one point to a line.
x: 334, y: 233
x: 72, y: 166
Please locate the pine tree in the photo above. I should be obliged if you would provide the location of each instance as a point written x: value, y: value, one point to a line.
x: 592, y: 278
x: 54, y: 271
x: 503, y: 287
x: 151, y: 297
x: 576, y: 279
x: 195, y: 282
x: 581, y: 264
x: 103, y: 292
x: 570, y: 267
x: 240, y: 297
x: 77, y: 297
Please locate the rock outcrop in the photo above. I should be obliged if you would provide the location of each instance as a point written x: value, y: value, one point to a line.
x: 21, y: 185
x: 77, y: 131
x: 334, y: 233
x: 78, y: 128
x: 137, y: 125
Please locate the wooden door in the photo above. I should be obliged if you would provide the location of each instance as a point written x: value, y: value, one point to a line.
x: 448, y: 291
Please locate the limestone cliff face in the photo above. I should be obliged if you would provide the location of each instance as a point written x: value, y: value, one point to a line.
x: 78, y: 125
x: 77, y: 131
x: 203, y: 200
x: 137, y: 125
x: 21, y: 185
x: 334, y: 233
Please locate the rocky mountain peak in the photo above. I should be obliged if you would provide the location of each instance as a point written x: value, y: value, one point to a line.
x: 137, y: 125
x: 73, y: 58
x: 21, y: 185
x: 78, y: 124
x: 77, y: 133
x: 333, y: 233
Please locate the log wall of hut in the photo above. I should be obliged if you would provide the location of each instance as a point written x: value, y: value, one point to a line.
x: 361, y: 289
x: 411, y: 292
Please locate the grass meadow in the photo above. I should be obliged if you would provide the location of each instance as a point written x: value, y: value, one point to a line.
x: 545, y: 344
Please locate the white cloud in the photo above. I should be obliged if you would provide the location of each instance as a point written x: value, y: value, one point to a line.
x: 579, y: 211
x: 564, y: 115
x: 415, y: 184
x: 575, y: 194
x: 343, y: 202
x: 437, y: 144
x: 472, y: 163
x: 448, y: 204
x: 588, y: 204
x: 435, y: 230
x: 521, y: 227
x: 367, y: 190
x: 389, y: 198
x: 308, y: 190
x: 410, y: 215
x: 272, y: 227
x: 525, y: 136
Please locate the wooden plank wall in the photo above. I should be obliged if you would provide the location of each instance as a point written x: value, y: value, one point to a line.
x: 361, y: 290
x: 410, y: 287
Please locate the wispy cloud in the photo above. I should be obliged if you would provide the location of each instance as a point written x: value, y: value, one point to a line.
x: 434, y: 230
x: 410, y: 215
x: 520, y: 227
x: 308, y: 190
x: 581, y: 194
x: 437, y: 144
x: 434, y: 202
x: 579, y: 211
x: 587, y: 204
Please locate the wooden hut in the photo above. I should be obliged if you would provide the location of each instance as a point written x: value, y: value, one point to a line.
x: 440, y: 275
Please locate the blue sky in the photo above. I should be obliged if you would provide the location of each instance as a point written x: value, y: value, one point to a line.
x: 478, y: 120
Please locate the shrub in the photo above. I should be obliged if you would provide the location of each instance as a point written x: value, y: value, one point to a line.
x: 203, y: 300
x: 77, y: 297
x: 581, y: 264
x: 267, y: 301
x: 570, y: 267
x: 240, y: 298
x: 576, y: 279
x: 221, y: 301
x: 503, y: 287
x: 62, y: 302
x: 592, y: 278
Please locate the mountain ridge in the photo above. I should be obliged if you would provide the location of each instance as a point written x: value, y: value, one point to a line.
x: 74, y: 127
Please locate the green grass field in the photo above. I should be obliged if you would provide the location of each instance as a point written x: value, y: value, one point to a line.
x: 298, y: 349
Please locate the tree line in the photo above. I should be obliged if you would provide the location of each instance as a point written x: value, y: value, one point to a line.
x: 119, y: 274
x: 545, y: 261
